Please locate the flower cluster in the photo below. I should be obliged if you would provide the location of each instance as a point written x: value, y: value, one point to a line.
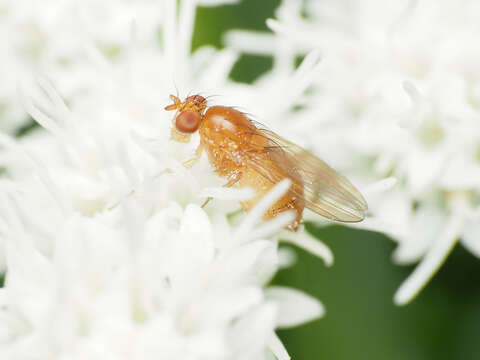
x: 396, y: 96
x: 107, y: 250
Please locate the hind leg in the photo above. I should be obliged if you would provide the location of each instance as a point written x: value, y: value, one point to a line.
x: 286, y: 203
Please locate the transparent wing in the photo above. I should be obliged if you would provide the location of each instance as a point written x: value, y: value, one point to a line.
x: 321, y: 188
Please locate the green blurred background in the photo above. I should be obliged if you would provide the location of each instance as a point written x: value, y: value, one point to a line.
x: 361, y: 321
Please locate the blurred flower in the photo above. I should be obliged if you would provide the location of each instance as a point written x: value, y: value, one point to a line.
x: 108, y: 252
x: 396, y: 95
x: 72, y: 43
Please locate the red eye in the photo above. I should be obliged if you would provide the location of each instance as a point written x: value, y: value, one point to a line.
x: 188, y: 122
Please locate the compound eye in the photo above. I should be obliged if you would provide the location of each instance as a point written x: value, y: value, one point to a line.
x: 187, y: 122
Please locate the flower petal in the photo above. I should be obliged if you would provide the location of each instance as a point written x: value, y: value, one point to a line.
x: 295, y: 307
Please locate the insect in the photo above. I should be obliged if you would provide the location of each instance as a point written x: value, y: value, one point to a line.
x: 246, y: 154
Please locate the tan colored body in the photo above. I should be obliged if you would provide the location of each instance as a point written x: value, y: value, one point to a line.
x: 247, y: 155
x: 226, y: 135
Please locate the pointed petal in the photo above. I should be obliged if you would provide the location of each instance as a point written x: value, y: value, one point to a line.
x: 295, y: 307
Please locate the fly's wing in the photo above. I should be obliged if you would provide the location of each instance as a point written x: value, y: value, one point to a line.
x: 321, y: 188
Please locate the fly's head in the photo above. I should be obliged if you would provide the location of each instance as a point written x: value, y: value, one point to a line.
x: 188, y: 117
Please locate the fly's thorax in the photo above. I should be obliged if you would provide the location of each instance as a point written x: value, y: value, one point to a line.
x: 224, y: 153
x: 225, y: 134
x: 228, y: 121
x: 231, y: 130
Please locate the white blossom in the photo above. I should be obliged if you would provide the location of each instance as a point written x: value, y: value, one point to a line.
x: 395, y: 96
x: 108, y: 252
x: 74, y: 42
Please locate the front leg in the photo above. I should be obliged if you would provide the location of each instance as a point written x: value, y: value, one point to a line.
x: 198, y: 154
x: 233, y: 179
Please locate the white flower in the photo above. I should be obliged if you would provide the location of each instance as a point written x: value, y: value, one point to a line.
x: 108, y: 252
x: 396, y: 94
x: 137, y: 78
x: 132, y: 283
x: 62, y: 40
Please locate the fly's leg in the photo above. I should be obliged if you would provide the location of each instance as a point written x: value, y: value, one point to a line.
x: 188, y: 164
x: 232, y: 181
x: 198, y: 154
x: 166, y: 171
x: 206, y: 202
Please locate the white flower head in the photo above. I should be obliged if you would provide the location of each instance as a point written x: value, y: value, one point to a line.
x: 109, y: 254
x: 395, y: 95
x: 130, y: 283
